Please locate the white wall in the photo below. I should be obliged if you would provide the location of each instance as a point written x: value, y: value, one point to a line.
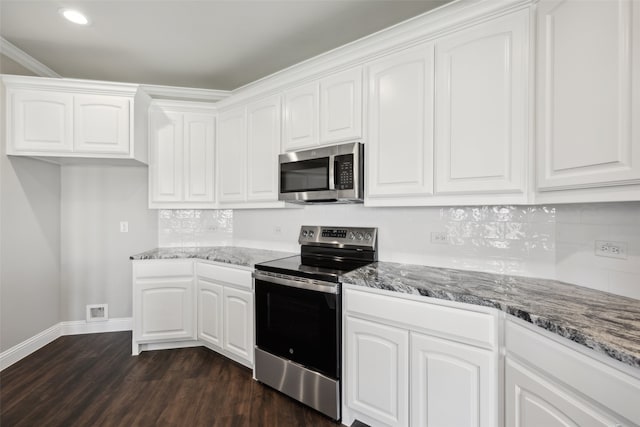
x: 29, y: 247
x: 95, y: 254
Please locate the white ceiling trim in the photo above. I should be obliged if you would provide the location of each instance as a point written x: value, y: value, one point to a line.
x: 27, y: 61
x: 190, y: 93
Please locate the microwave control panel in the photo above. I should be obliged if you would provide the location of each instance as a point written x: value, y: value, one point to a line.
x: 344, y: 172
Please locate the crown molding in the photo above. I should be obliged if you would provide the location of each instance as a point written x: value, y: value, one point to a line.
x: 27, y: 61
x: 185, y: 93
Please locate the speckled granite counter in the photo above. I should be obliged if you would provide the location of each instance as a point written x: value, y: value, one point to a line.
x: 606, y: 323
x: 245, y: 257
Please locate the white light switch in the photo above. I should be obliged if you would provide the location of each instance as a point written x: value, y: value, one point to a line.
x: 124, y: 226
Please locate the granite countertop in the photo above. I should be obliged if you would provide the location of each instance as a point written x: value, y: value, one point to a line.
x: 604, y: 322
x: 245, y: 257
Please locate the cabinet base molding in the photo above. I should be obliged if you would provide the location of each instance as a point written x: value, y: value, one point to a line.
x: 77, y: 327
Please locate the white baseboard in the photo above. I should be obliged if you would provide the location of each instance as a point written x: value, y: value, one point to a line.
x: 28, y: 346
x: 78, y: 327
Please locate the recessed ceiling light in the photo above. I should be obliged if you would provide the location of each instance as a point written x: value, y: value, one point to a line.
x: 74, y: 16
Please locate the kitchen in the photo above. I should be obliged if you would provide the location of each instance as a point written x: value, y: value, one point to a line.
x: 523, y: 224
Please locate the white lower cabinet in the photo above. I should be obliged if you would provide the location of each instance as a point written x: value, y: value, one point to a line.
x: 378, y: 371
x: 238, y: 323
x: 451, y: 383
x: 210, y: 312
x: 163, y: 303
x: 412, y: 362
x: 189, y: 303
x: 550, y: 383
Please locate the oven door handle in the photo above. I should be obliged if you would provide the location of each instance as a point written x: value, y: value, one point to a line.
x: 298, y: 282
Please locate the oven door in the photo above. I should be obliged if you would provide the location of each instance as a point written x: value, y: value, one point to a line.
x: 300, y: 325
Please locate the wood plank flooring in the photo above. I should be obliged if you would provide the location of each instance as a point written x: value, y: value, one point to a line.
x: 92, y: 380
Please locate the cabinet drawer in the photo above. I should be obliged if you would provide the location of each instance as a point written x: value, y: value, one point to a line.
x: 609, y: 387
x: 455, y: 323
x: 162, y: 268
x: 233, y: 276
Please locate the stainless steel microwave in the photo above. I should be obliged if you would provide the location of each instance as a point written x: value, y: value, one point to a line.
x: 333, y: 174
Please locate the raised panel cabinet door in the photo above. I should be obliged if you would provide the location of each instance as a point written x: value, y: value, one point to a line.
x: 40, y: 121
x: 452, y: 384
x: 263, y: 146
x: 210, y: 318
x: 588, y: 99
x: 377, y: 371
x: 400, y: 147
x: 231, y: 157
x: 238, y: 322
x: 534, y: 401
x: 482, y: 107
x: 301, y: 117
x: 199, y: 162
x: 166, y: 166
x: 341, y: 106
x: 167, y: 310
x: 101, y: 124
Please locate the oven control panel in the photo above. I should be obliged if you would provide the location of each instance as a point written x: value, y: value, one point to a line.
x: 352, y: 236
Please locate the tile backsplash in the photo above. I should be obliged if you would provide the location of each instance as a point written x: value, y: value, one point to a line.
x: 554, y: 241
x: 194, y: 227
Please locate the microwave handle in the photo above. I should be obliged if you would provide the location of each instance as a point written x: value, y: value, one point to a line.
x: 332, y: 172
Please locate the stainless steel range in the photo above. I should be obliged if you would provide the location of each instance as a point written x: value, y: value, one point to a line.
x: 298, y: 314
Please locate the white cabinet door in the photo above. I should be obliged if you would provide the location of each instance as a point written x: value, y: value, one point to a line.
x: 533, y: 401
x: 341, y: 106
x: 210, y: 309
x: 301, y: 113
x: 232, y: 152
x: 166, y: 310
x: 199, y: 159
x: 377, y: 371
x: 452, y: 384
x: 588, y: 95
x: 101, y: 124
x: 238, y: 322
x: 400, y: 146
x: 263, y: 147
x: 482, y: 107
x: 40, y: 121
x: 166, y: 156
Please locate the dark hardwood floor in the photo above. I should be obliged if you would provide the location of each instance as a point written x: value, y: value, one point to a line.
x: 92, y: 380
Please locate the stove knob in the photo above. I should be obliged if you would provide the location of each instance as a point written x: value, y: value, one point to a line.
x: 305, y: 233
x: 359, y: 236
x: 352, y: 236
x: 311, y: 233
x: 367, y: 236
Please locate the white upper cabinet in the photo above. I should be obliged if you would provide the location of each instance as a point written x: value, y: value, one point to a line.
x: 324, y: 112
x: 199, y: 141
x: 400, y: 125
x: 60, y: 118
x: 182, y: 147
x: 341, y: 106
x: 301, y: 117
x: 166, y: 171
x: 263, y: 147
x: 42, y: 121
x: 482, y: 108
x: 101, y: 124
x: 588, y: 96
x: 232, y: 152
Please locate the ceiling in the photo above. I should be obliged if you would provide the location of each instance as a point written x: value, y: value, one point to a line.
x: 210, y: 44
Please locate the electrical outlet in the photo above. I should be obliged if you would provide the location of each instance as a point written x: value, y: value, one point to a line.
x: 277, y: 229
x: 439, y: 237
x: 611, y: 249
x: 124, y: 226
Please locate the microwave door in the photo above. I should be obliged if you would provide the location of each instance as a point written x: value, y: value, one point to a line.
x: 305, y: 175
